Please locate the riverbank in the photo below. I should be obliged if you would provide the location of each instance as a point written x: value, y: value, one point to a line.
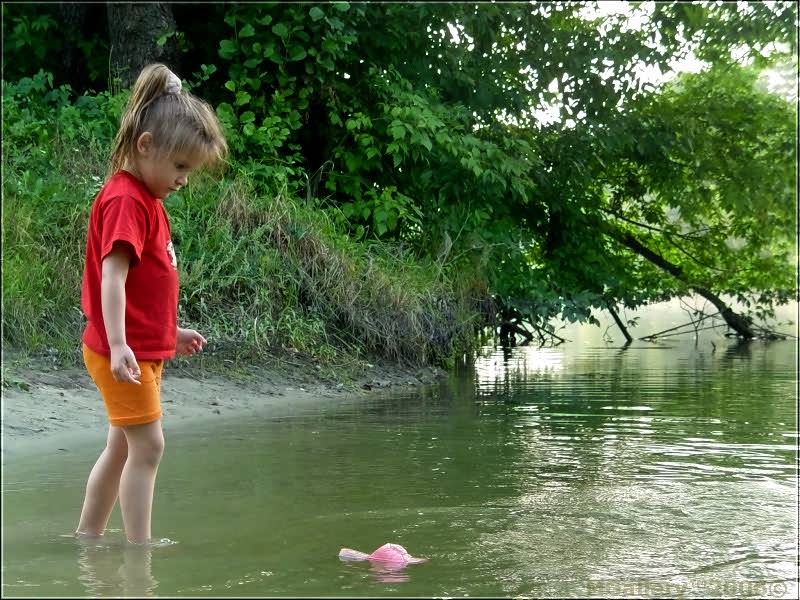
x: 48, y: 407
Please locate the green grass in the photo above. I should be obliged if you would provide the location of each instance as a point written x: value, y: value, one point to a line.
x: 262, y: 273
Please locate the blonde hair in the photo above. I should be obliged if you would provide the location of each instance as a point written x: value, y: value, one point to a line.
x: 178, y: 121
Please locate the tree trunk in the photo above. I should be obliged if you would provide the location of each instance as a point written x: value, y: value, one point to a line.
x: 735, y: 321
x: 73, y: 17
x: 619, y: 322
x: 133, y: 30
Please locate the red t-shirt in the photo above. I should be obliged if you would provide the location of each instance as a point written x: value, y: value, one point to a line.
x: 126, y: 212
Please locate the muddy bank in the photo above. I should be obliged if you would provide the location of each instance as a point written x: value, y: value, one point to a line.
x: 48, y: 408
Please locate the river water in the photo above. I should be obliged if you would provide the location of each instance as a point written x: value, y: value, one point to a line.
x: 588, y: 469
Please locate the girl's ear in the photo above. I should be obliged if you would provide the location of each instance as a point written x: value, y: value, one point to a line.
x: 145, y: 143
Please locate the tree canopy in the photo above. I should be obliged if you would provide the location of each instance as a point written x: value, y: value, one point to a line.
x: 538, y: 145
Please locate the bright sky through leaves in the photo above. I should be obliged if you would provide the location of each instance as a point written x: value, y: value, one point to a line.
x: 777, y: 80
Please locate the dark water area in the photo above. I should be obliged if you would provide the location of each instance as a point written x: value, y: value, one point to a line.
x: 657, y: 470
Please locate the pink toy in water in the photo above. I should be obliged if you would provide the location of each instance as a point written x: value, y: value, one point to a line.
x: 388, y: 554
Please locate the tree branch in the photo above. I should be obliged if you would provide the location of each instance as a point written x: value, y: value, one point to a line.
x: 741, y: 325
x: 619, y: 322
x: 668, y: 237
x: 686, y: 236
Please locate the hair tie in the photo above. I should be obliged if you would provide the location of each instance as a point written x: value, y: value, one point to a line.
x: 173, y: 83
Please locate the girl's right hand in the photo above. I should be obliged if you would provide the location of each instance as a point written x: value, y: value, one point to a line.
x: 124, y: 367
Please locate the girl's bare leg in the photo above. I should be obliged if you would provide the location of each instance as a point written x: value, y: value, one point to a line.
x: 136, y: 486
x: 103, y: 485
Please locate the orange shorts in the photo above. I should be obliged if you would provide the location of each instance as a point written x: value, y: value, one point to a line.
x: 127, y: 403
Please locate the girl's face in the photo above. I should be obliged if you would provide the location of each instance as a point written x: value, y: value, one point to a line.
x: 162, y: 174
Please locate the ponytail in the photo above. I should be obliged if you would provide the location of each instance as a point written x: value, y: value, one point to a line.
x: 178, y: 120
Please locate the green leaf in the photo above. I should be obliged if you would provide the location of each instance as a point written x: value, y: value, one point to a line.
x: 280, y: 30
x: 226, y: 114
x: 231, y: 85
x: 397, y: 130
x: 341, y: 6
x: 297, y: 53
x: 227, y: 49
x: 247, y: 31
x: 316, y: 13
x: 242, y: 98
x: 335, y: 23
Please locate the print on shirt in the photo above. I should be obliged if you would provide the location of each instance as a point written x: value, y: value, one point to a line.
x: 171, y: 251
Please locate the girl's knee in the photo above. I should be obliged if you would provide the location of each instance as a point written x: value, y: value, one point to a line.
x: 117, y: 446
x: 151, y: 450
x: 157, y: 446
x: 146, y: 444
x: 118, y: 453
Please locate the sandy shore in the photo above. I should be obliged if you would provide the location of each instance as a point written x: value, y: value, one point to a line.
x: 46, y: 408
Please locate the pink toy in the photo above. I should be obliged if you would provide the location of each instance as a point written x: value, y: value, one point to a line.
x: 393, y: 555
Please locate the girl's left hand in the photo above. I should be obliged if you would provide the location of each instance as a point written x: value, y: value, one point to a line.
x: 189, y: 342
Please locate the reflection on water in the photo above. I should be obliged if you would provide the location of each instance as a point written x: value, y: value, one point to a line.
x: 383, y: 572
x: 108, y: 569
x: 582, y: 470
x: 389, y: 573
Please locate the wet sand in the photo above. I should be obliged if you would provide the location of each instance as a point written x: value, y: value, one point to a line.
x: 47, y: 409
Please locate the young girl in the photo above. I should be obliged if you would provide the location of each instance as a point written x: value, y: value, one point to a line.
x: 130, y: 290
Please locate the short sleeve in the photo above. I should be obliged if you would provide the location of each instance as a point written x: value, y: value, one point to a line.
x: 124, y: 219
